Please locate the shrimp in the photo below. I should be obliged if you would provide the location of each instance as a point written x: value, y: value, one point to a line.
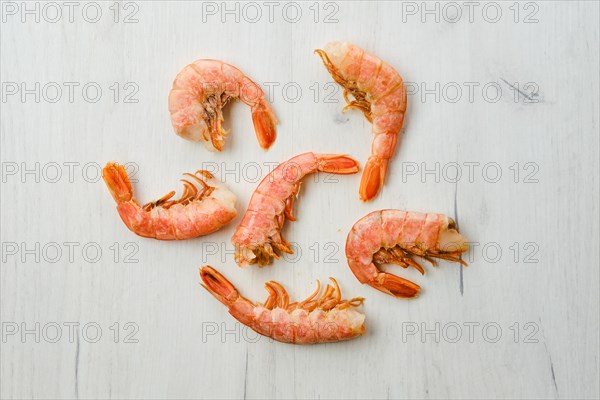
x: 197, y: 212
x: 394, y: 236
x: 380, y: 94
x: 199, y: 93
x: 258, y: 237
x: 322, y: 319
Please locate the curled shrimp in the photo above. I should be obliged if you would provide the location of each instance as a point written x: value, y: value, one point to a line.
x: 258, y: 238
x: 199, y: 93
x: 379, y: 92
x: 394, y: 236
x: 204, y: 207
x: 318, y: 319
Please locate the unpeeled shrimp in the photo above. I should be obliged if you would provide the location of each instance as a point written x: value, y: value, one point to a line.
x: 379, y: 92
x: 394, y: 236
x: 204, y: 207
x: 258, y: 238
x: 318, y: 319
x: 199, y: 93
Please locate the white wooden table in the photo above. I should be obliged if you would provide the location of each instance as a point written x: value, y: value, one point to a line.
x: 90, y: 310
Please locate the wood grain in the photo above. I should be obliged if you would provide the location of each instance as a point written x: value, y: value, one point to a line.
x: 542, y: 292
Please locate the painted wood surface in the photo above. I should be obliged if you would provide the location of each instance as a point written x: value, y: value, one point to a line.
x: 501, y: 134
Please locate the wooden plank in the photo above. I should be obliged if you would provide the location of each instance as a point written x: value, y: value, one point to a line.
x: 527, y: 317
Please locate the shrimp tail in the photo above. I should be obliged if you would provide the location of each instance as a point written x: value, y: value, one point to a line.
x: 395, y: 285
x: 218, y: 285
x: 118, y: 183
x: 337, y: 164
x: 264, y: 125
x: 372, y: 177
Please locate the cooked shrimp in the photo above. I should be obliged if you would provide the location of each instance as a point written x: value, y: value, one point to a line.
x: 258, y: 237
x: 199, y: 93
x: 197, y: 212
x: 318, y: 319
x: 380, y: 94
x: 394, y: 236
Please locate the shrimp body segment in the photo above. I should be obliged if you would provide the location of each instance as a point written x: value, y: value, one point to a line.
x: 204, y: 207
x: 199, y: 93
x: 318, y: 319
x: 379, y: 92
x: 258, y: 238
x: 395, y: 236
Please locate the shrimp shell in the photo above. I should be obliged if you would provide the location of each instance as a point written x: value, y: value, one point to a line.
x: 395, y: 236
x: 197, y: 212
x: 379, y: 92
x: 199, y: 93
x: 318, y: 319
x: 258, y: 238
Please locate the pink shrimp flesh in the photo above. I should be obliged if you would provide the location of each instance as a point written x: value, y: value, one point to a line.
x: 394, y: 236
x: 379, y: 92
x: 258, y: 238
x: 199, y: 93
x: 197, y: 212
x: 318, y: 319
